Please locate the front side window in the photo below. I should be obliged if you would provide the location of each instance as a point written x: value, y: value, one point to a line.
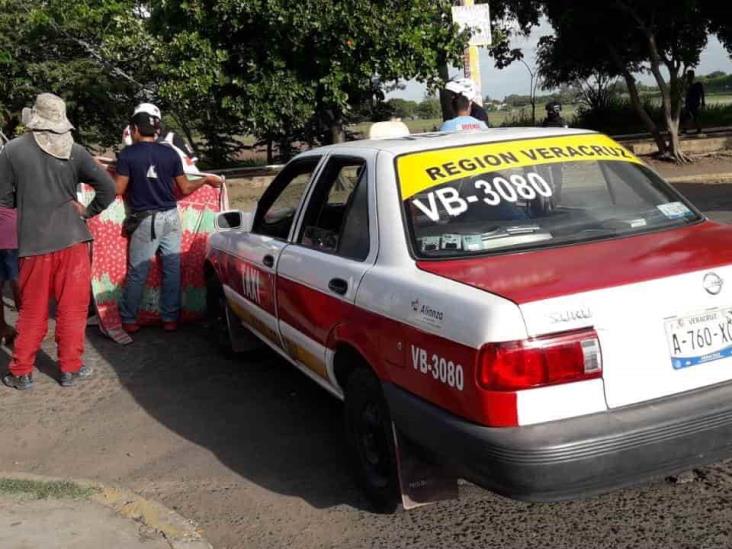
x: 336, y: 219
x: 277, y: 208
x: 525, y: 194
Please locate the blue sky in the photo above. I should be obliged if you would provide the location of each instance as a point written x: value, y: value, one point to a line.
x: 515, y: 78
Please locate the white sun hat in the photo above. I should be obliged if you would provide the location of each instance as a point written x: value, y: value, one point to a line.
x: 464, y: 86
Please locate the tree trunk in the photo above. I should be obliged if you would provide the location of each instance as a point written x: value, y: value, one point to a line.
x: 644, y: 116
x: 337, y: 131
x: 672, y: 117
x: 668, y: 92
x: 270, y: 154
x: 185, y: 128
x: 445, y: 97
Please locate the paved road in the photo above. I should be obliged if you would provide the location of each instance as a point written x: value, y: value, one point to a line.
x: 253, y: 451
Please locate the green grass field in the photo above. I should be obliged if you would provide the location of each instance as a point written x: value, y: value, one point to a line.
x: 719, y: 99
x: 522, y: 116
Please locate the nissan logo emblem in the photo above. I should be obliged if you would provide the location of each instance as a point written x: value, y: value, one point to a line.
x: 713, y: 283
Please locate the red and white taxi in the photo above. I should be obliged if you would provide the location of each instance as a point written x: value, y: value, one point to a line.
x: 536, y: 310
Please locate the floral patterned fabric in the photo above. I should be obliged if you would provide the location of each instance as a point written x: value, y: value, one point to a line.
x: 109, y: 260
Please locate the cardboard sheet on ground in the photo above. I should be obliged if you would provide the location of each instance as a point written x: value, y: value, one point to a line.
x: 109, y: 260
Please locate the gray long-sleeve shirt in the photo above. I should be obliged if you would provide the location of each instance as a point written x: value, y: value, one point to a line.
x: 43, y: 189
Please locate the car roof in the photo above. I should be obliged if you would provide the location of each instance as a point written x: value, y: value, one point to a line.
x: 440, y: 140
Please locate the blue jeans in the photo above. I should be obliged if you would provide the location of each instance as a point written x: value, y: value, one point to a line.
x: 142, y: 251
x: 8, y: 265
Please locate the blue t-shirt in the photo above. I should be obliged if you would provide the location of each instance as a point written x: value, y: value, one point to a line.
x: 463, y: 123
x: 152, y: 169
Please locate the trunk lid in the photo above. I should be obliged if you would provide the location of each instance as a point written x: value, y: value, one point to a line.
x: 659, y: 303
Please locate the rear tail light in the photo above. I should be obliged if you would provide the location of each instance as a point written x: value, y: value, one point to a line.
x: 538, y: 362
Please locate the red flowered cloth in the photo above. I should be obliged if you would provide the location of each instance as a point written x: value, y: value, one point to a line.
x: 109, y: 260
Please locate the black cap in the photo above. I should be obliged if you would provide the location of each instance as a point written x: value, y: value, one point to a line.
x: 147, y: 125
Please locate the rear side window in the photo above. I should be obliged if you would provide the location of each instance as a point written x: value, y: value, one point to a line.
x: 518, y: 195
x: 336, y: 219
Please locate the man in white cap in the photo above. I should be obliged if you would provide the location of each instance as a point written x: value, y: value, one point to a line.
x: 149, y: 174
x: 463, y: 121
x: 165, y: 137
x: 467, y: 88
x: 39, y: 174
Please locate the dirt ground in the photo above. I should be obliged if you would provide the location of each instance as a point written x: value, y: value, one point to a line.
x: 253, y: 451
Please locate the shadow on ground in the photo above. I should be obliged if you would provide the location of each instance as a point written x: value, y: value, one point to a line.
x: 260, y: 417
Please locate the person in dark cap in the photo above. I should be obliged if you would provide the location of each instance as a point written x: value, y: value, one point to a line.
x: 39, y: 174
x: 147, y: 174
x: 554, y: 116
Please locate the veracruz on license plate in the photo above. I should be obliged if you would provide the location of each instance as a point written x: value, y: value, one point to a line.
x: 701, y: 337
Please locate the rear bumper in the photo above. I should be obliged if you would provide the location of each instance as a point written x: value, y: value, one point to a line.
x: 574, y: 457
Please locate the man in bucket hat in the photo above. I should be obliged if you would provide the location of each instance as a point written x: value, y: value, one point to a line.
x: 39, y: 174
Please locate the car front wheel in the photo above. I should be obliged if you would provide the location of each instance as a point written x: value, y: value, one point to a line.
x: 218, y: 321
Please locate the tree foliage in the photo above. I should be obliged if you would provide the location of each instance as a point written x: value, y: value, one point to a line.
x: 282, y: 70
x: 300, y: 68
x: 619, y: 38
x: 56, y: 46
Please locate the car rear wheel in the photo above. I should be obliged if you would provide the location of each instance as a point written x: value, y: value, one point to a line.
x: 371, y: 440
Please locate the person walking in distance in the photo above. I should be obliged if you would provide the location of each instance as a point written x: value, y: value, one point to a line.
x: 39, y: 174
x: 694, y: 102
x: 147, y: 173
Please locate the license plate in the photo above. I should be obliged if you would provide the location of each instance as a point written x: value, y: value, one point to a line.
x: 698, y: 338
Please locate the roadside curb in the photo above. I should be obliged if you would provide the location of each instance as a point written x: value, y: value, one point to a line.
x: 717, y: 178
x: 179, y: 532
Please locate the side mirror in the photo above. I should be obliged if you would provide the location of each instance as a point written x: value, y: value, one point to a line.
x: 234, y: 220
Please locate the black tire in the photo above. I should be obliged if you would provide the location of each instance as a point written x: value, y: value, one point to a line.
x: 371, y: 440
x: 216, y: 316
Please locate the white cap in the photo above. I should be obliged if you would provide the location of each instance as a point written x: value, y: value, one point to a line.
x: 147, y: 108
x: 386, y: 130
x: 464, y: 86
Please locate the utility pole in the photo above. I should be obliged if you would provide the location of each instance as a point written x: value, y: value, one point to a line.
x: 475, y: 17
x: 471, y: 59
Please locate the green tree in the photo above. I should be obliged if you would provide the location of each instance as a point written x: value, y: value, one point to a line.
x: 620, y: 38
x: 429, y: 109
x: 402, y: 108
x: 59, y: 46
x: 300, y: 68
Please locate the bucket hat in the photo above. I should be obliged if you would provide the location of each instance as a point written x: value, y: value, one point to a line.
x: 49, y: 114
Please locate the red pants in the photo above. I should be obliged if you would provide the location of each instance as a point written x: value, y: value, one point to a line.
x: 65, y: 275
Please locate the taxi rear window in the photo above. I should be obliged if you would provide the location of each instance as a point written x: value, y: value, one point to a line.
x: 524, y: 194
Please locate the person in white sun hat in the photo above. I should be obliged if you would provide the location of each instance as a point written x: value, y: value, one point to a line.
x: 39, y: 174
x: 467, y: 88
x: 166, y: 137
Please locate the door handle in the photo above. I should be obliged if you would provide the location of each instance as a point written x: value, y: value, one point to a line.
x: 268, y: 261
x: 338, y: 286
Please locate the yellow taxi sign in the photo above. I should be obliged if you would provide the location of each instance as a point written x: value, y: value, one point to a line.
x: 421, y: 171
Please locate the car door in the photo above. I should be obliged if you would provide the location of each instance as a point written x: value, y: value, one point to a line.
x: 333, y: 247
x: 251, y: 288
